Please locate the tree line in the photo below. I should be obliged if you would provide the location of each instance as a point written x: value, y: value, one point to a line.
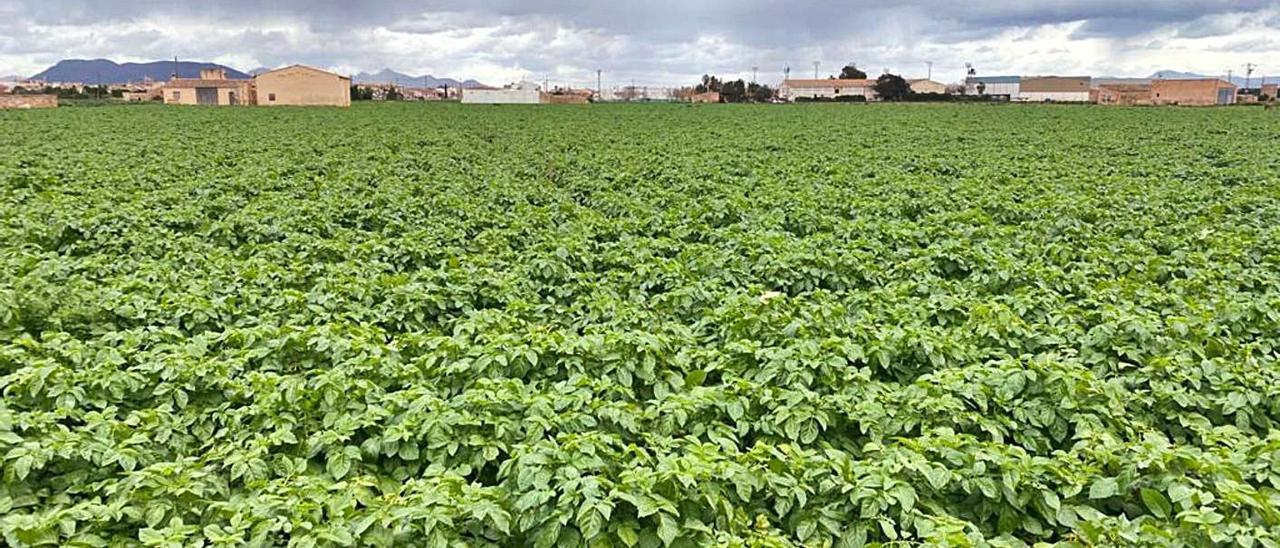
x: 888, y: 87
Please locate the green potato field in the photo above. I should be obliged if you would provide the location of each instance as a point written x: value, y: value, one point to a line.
x: 640, y: 325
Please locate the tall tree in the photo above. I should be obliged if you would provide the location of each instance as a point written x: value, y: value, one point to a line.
x: 759, y: 93
x: 734, y: 92
x: 891, y: 87
x: 709, y: 83
x: 851, y: 72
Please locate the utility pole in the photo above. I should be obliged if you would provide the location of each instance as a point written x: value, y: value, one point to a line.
x: 753, y: 74
x: 1229, y: 73
x: 930, y: 71
x: 599, y: 86
x: 815, y: 69
x: 175, y: 67
x: 1248, y: 73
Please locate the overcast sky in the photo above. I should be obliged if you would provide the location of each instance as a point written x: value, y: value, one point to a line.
x: 654, y: 42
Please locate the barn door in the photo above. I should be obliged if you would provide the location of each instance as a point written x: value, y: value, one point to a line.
x: 206, y: 96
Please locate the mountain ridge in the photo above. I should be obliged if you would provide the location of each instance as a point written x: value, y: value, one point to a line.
x: 388, y: 76
x: 106, y: 71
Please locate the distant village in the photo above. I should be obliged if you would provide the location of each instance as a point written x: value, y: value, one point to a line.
x: 300, y: 85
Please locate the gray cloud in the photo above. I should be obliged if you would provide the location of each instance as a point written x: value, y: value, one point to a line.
x: 657, y: 41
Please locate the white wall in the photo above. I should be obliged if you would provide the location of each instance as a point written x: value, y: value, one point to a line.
x: 1055, y: 96
x: 996, y: 89
x: 828, y: 92
x: 496, y: 96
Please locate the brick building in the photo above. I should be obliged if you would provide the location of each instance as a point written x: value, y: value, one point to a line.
x: 1197, y: 92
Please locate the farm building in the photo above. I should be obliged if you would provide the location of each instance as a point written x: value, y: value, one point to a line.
x: 519, y: 93
x: 831, y: 88
x: 1253, y: 95
x: 1057, y: 89
x: 1122, y: 94
x: 1196, y: 92
x: 211, y: 88
x: 994, y: 86
x: 300, y: 85
x: 925, y: 85
x: 706, y: 97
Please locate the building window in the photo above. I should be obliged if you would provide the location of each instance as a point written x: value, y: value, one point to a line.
x: 177, y: 95
x: 271, y: 97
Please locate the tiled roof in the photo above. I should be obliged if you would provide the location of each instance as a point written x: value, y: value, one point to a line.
x: 828, y: 83
x: 305, y: 67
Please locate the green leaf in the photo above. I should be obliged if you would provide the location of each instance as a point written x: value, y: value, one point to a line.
x: 645, y: 506
x: 22, y: 467
x: 338, y: 465
x: 627, y: 535
x: 806, y: 529
x: 1103, y: 488
x: 667, y: 529
x: 937, y: 477
x: 854, y: 537
x: 695, y: 378
x: 1156, y: 502
x: 1051, y: 500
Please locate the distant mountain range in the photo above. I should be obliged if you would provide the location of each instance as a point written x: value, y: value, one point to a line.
x: 105, y: 71
x: 1236, y: 79
x: 388, y: 76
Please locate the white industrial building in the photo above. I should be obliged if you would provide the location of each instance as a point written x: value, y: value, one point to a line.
x: 925, y: 85
x: 519, y: 93
x: 994, y: 86
x: 830, y: 89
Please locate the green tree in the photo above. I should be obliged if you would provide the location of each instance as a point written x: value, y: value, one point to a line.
x: 760, y: 93
x: 361, y: 93
x: 852, y: 72
x: 734, y: 92
x: 891, y: 87
x: 709, y: 83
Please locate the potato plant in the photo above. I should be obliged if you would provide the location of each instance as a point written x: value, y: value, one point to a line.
x: 622, y: 326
